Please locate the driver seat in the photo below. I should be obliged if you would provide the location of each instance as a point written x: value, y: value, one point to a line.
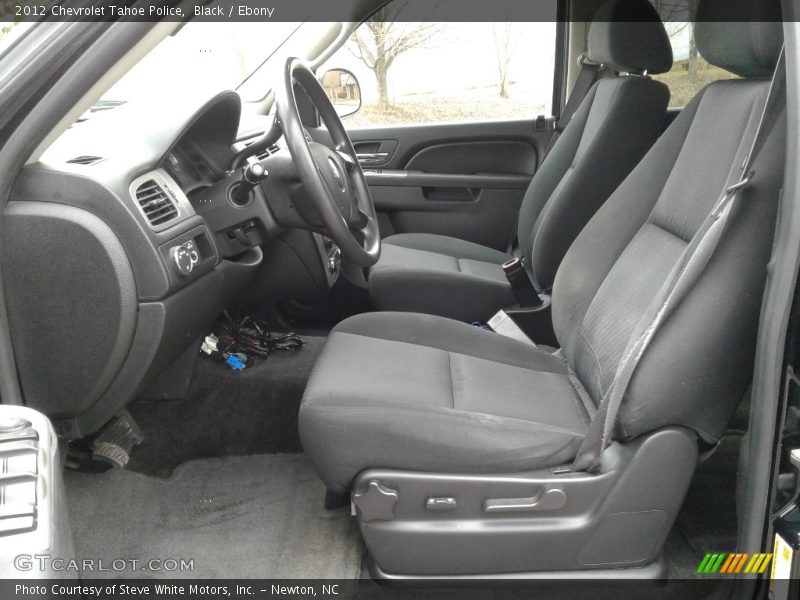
x: 615, y: 125
x: 453, y: 440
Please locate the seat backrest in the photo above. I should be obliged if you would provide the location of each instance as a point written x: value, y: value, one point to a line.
x: 700, y: 361
x: 615, y: 125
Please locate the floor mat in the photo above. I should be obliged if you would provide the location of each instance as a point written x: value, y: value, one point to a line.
x: 235, y: 517
x: 707, y: 521
x: 227, y: 413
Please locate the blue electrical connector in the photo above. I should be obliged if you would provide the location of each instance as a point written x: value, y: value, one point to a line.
x: 234, y: 362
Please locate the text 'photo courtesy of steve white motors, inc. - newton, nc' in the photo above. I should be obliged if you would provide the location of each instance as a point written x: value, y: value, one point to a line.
x: 167, y: 591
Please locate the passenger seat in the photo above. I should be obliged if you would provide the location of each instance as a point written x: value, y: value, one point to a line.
x: 616, y: 124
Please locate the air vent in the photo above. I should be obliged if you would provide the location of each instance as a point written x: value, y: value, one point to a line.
x: 86, y: 160
x: 155, y: 202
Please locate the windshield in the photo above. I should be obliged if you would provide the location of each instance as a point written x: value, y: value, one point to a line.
x: 205, y: 58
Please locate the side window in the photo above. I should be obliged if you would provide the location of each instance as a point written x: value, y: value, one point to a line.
x: 413, y: 72
x: 690, y: 71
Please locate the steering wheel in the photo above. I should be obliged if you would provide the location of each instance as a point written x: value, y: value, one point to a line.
x: 332, y: 178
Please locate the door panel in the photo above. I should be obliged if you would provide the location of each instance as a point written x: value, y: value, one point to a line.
x: 444, y: 113
x: 481, y: 208
x: 516, y: 157
x: 375, y: 153
x: 486, y: 218
x: 464, y: 180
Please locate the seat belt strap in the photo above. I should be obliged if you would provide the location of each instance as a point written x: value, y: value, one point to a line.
x: 681, y: 280
x: 589, y: 74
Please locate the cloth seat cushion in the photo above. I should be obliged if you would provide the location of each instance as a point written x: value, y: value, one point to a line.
x: 440, y: 275
x: 419, y: 392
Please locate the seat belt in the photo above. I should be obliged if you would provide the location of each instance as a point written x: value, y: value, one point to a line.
x: 681, y: 280
x: 521, y: 285
x: 589, y: 74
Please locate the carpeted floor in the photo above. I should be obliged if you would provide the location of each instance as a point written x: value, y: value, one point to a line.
x: 707, y: 521
x: 246, y: 516
x: 227, y: 413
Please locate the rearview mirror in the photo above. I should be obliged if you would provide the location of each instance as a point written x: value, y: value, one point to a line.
x: 342, y: 88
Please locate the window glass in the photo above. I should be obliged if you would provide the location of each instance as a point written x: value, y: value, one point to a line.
x: 690, y: 71
x: 202, y: 57
x: 449, y: 71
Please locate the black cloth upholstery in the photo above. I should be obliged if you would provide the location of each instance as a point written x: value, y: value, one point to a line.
x: 417, y: 392
x: 440, y: 275
x: 697, y: 367
x: 627, y: 35
x: 610, y: 133
x: 615, y: 125
x: 741, y: 36
x: 478, y: 401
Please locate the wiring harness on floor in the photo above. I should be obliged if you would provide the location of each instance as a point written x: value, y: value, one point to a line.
x: 245, y: 340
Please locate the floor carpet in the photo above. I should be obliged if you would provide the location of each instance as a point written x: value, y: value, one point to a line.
x: 707, y: 521
x: 236, y: 517
x: 227, y: 413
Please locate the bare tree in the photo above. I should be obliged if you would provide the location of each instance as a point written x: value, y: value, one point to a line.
x: 8, y: 9
x: 504, y: 41
x: 678, y: 15
x: 693, y: 58
x: 379, y: 41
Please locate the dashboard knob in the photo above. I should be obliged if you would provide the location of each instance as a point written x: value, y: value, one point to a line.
x: 184, y: 258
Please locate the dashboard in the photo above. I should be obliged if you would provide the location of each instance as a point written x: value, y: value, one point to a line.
x: 191, y: 169
x: 121, y: 247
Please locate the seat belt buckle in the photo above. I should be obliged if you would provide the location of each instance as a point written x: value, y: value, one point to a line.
x: 512, y: 266
x: 514, y: 270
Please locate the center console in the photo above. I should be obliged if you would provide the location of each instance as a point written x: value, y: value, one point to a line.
x: 33, y: 515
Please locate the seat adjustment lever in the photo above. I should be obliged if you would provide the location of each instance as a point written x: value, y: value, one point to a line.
x: 551, y: 499
x: 440, y: 504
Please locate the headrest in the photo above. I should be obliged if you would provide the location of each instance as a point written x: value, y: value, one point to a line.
x: 741, y: 36
x: 628, y: 35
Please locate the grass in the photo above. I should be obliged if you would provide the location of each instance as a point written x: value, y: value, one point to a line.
x: 480, y: 104
x: 476, y: 104
x: 682, y: 88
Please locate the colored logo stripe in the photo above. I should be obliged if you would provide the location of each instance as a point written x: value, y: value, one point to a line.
x: 730, y: 564
x: 759, y: 563
x: 711, y: 563
x: 735, y: 562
